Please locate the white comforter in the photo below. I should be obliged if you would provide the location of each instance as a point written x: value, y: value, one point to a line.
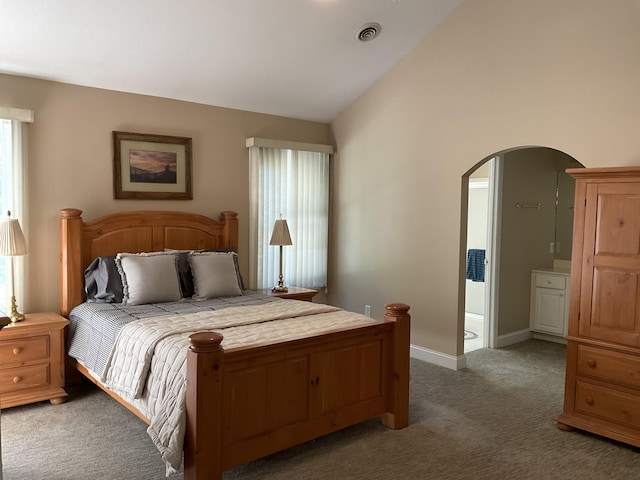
x: 148, y: 363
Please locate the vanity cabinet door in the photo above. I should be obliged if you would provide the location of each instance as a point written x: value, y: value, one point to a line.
x: 549, y: 303
x: 549, y: 308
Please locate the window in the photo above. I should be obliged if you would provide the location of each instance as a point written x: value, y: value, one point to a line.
x: 12, y: 192
x: 289, y: 179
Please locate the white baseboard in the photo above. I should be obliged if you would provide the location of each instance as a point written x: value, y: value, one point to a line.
x: 514, y: 337
x: 457, y: 363
x: 549, y: 338
x: 438, y: 358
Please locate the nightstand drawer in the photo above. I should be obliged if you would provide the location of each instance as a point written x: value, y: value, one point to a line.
x: 22, y: 378
x: 24, y: 350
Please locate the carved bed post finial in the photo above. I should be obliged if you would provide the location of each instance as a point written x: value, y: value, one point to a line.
x: 398, y: 415
x: 71, y: 281
x: 396, y: 310
x: 230, y: 232
x: 203, y: 438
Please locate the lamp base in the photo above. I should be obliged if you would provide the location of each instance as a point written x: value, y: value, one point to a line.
x: 280, y: 288
x: 14, y: 314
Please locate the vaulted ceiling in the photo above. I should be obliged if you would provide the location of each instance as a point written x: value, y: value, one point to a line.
x: 296, y: 58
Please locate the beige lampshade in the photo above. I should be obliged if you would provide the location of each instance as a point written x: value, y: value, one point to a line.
x: 280, y: 235
x: 12, y: 241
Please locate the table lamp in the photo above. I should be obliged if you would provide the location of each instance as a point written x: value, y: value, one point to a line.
x: 12, y: 244
x: 280, y: 237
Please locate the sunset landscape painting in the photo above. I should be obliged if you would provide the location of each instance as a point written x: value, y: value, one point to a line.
x: 148, y: 166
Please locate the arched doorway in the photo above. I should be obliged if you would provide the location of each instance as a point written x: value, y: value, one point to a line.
x: 529, y: 216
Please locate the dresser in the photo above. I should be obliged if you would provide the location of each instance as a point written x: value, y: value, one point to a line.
x: 32, y: 360
x: 549, y: 309
x: 602, y: 390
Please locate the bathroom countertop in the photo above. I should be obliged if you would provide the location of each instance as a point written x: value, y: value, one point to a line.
x: 561, y: 271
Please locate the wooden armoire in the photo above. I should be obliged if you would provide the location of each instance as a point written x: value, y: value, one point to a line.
x: 602, y: 390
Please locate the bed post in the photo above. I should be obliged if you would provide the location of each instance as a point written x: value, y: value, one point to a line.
x: 203, y: 439
x: 398, y: 415
x: 230, y: 232
x: 71, y: 280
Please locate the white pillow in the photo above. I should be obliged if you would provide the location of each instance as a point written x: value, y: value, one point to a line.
x: 214, y: 274
x: 149, y: 277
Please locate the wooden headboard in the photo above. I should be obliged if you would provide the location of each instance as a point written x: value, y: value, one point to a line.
x: 133, y: 232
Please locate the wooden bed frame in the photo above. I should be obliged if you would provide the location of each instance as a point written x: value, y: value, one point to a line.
x: 246, y: 403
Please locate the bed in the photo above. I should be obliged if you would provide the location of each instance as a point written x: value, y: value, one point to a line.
x: 246, y: 400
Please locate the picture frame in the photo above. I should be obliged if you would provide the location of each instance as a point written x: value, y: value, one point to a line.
x: 147, y: 166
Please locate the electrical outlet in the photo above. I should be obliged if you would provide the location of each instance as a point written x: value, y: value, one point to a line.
x: 551, y: 247
x: 367, y: 310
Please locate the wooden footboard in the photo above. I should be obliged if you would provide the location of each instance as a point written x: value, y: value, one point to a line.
x: 246, y: 403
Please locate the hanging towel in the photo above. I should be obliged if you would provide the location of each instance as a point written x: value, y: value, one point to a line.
x: 475, y: 265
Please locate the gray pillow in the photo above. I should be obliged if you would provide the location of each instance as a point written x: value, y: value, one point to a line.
x: 184, y: 269
x: 149, y: 277
x: 102, y: 281
x: 214, y: 274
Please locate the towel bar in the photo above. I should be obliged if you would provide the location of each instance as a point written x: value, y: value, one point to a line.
x: 524, y: 205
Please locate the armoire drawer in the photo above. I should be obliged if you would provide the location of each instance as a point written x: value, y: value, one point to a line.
x: 607, y: 404
x: 612, y: 367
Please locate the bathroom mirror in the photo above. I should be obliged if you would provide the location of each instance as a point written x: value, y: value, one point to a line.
x: 565, y: 191
x: 565, y: 198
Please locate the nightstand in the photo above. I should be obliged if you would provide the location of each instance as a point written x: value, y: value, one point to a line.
x: 32, y: 360
x: 295, y: 293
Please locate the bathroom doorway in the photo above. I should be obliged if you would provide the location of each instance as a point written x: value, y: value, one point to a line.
x: 513, y: 238
x: 476, y: 333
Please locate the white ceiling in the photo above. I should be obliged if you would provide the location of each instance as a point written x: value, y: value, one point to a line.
x: 296, y: 58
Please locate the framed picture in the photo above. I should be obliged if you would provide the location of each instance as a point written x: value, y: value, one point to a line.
x: 151, y: 166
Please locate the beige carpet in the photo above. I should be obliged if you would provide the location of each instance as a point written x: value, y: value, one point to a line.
x: 493, y: 420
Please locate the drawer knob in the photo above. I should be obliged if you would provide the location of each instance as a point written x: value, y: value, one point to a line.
x: 17, y: 350
x: 591, y: 363
x: 589, y: 400
x: 17, y: 379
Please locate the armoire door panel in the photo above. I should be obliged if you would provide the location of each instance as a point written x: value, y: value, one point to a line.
x: 614, y: 307
x: 611, y: 264
x: 618, y: 226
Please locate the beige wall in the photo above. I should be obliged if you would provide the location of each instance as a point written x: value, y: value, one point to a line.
x: 70, y: 160
x: 529, y: 178
x: 497, y: 74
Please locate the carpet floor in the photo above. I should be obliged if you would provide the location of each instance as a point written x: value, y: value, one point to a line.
x: 492, y: 420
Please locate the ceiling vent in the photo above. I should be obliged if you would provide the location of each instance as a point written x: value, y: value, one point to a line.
x: 369, y: 31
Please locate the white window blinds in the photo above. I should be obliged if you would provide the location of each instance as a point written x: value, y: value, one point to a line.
x: 291, y: 179
x: 13, y: 192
